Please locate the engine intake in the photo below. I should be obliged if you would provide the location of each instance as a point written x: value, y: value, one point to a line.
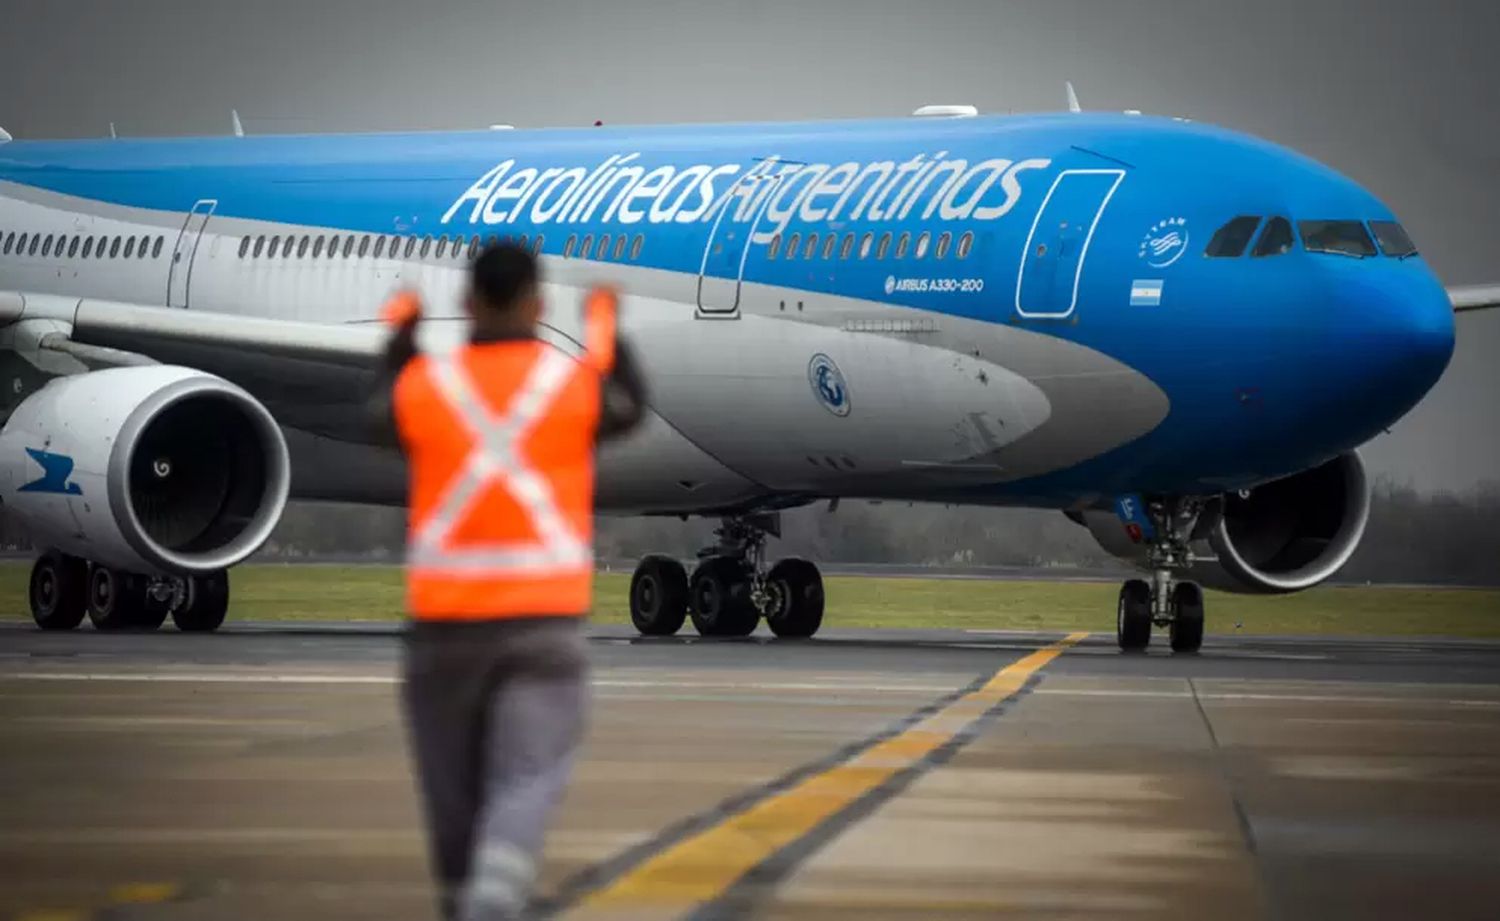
x: 1294, y: 533
x: 172, y: 470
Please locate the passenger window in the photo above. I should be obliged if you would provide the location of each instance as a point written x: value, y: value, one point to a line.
x: 333, y: 246
x: 260, y: 246
x: 302, y: 246
x: 47, y: 245
x: 275, y: 245
x: 114, y: 246
x: 1393, y: 239
x: 775, y: 246
x: 521, y: 241
x: 848, y: 246
x: 536, y: 245
x: 1276, y: 239
x: 945, y: 241
x: 635, y: 247
x: 426, y: 246
x: 1345, y: 238
x: 10, y: 241
x: 379, y: 250
x: 792, y: 242
x: 408, y: 250
x: 364, y: 246
x: 885, y: 245
x: 36, y: 240
x: 603, y: 251
x: 902, y: 244
x: 620, y: 248
x: 129, y: 248
x: 829, y: 242
x: 141, y: 249
x: 965, y: 244
x: 244, y: 246
x: 588, y: 244
x: 474, y: 245
x: 1229, y: 241
x: 73, y: 245
x: 810, y: 251
x: 88, y: 248
x: 156, y: 248
x: 922, y: 243
x: 866, y: 243
x: 442, y: 247
x: 568, y: 246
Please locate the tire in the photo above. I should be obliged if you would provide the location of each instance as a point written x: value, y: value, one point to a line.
x: 1133, y: 617
x: 1187, y: 617
x: 116, y: 599
x: 658, y: 596
x: 798, y: 589
x: 207, y: 602
x: 152, y: 613
x: 719, y: 598
x: 59, y: 591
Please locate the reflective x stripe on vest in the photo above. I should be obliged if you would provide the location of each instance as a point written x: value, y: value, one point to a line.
x: 494, y: 457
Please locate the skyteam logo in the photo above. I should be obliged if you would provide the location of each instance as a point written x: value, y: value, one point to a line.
x: 56, y: 469
x: 828, y: 384
x: 1165, y: 242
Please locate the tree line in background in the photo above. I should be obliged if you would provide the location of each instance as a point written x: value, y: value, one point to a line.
x: 1413, y: 536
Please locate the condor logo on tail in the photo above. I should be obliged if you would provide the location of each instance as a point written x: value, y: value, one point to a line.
x: 56, y: 468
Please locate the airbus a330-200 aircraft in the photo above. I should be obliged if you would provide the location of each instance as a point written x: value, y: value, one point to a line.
x: 1175, y: 334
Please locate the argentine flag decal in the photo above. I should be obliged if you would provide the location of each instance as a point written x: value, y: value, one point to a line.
x: 1146, y: 293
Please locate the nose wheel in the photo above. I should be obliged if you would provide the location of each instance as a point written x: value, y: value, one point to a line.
x: 1163, y: 601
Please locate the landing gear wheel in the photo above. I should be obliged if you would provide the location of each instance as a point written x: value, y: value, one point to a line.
x: 719, y: 594
x: 59, y: 591
x: 796, y: 599
x: 658, y: 596
x: 205, y: 603
x: 117, y: 600
x: 1133, y: 618
x: 1187, y: 617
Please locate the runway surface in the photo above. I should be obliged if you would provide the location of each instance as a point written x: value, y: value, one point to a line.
x: 261, y: 773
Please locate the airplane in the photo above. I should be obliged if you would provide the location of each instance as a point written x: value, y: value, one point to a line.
x: 1176, y: 334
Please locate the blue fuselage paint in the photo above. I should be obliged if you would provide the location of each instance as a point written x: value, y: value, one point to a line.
x: 1086, y: 228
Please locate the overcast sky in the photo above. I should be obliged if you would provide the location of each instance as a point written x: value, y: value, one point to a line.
x: 1404, y: 96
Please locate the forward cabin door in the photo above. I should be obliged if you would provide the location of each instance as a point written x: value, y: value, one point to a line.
x: 1053, y: 261
x: 722, y: 272
x: 180, y: 275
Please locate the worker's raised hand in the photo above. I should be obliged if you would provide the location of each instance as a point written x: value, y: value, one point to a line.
x: 403, y: 311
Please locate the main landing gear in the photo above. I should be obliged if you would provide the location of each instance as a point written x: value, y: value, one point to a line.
x: 1164, y: 601
x: 65, y: 588
x: 731, y: 590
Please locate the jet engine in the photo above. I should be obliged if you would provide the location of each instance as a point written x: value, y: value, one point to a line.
x: 161, y: 469
x: 1283, y: 536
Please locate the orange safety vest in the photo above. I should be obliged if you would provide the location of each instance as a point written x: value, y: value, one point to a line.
x: 499, y: 440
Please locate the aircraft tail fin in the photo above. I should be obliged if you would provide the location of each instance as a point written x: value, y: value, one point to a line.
x: 4, y: 135
x: 234, y: 118
x: 1073, y: 105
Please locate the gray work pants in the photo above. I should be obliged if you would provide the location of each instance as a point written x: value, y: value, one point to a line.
x: 495, y: 711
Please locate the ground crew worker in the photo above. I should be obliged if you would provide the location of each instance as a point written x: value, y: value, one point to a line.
x: 499, y: 438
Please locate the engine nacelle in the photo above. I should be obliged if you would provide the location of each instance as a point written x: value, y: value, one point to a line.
x: 148, y: 469
x: 1284, y: 536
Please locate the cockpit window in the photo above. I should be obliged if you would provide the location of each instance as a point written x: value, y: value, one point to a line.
x: 1276, y: 239
x: 1348, y: 238
x: 1393, y: 239
x: 1230, y: 240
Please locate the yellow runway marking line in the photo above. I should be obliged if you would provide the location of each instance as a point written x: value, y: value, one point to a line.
x: 703, y: 867
x: 128, y: 894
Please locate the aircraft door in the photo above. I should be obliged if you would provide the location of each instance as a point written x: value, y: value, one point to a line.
x: 1052, y: 263
x: 181, y: 271
x: 723, y: 269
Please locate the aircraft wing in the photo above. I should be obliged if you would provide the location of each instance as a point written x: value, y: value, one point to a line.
x: 309, y: 375
x: 1474, y: 297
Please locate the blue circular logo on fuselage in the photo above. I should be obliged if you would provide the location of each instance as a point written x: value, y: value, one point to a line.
x: 828, y: 384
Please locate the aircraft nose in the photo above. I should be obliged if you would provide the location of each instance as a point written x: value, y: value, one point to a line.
x: 1404, y: 334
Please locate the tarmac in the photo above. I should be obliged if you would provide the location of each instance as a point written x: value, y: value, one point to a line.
x: 261, y: 773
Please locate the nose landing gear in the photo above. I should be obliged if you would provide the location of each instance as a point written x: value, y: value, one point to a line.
x: 731, y: 589
x: 1164, y: 601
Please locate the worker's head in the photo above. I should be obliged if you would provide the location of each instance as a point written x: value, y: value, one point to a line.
x: 504, y: 287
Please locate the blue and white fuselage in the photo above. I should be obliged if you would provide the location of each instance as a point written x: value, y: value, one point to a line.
x: 1016, y: 310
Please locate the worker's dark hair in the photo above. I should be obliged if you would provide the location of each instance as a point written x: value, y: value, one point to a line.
x: 502, y: 273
